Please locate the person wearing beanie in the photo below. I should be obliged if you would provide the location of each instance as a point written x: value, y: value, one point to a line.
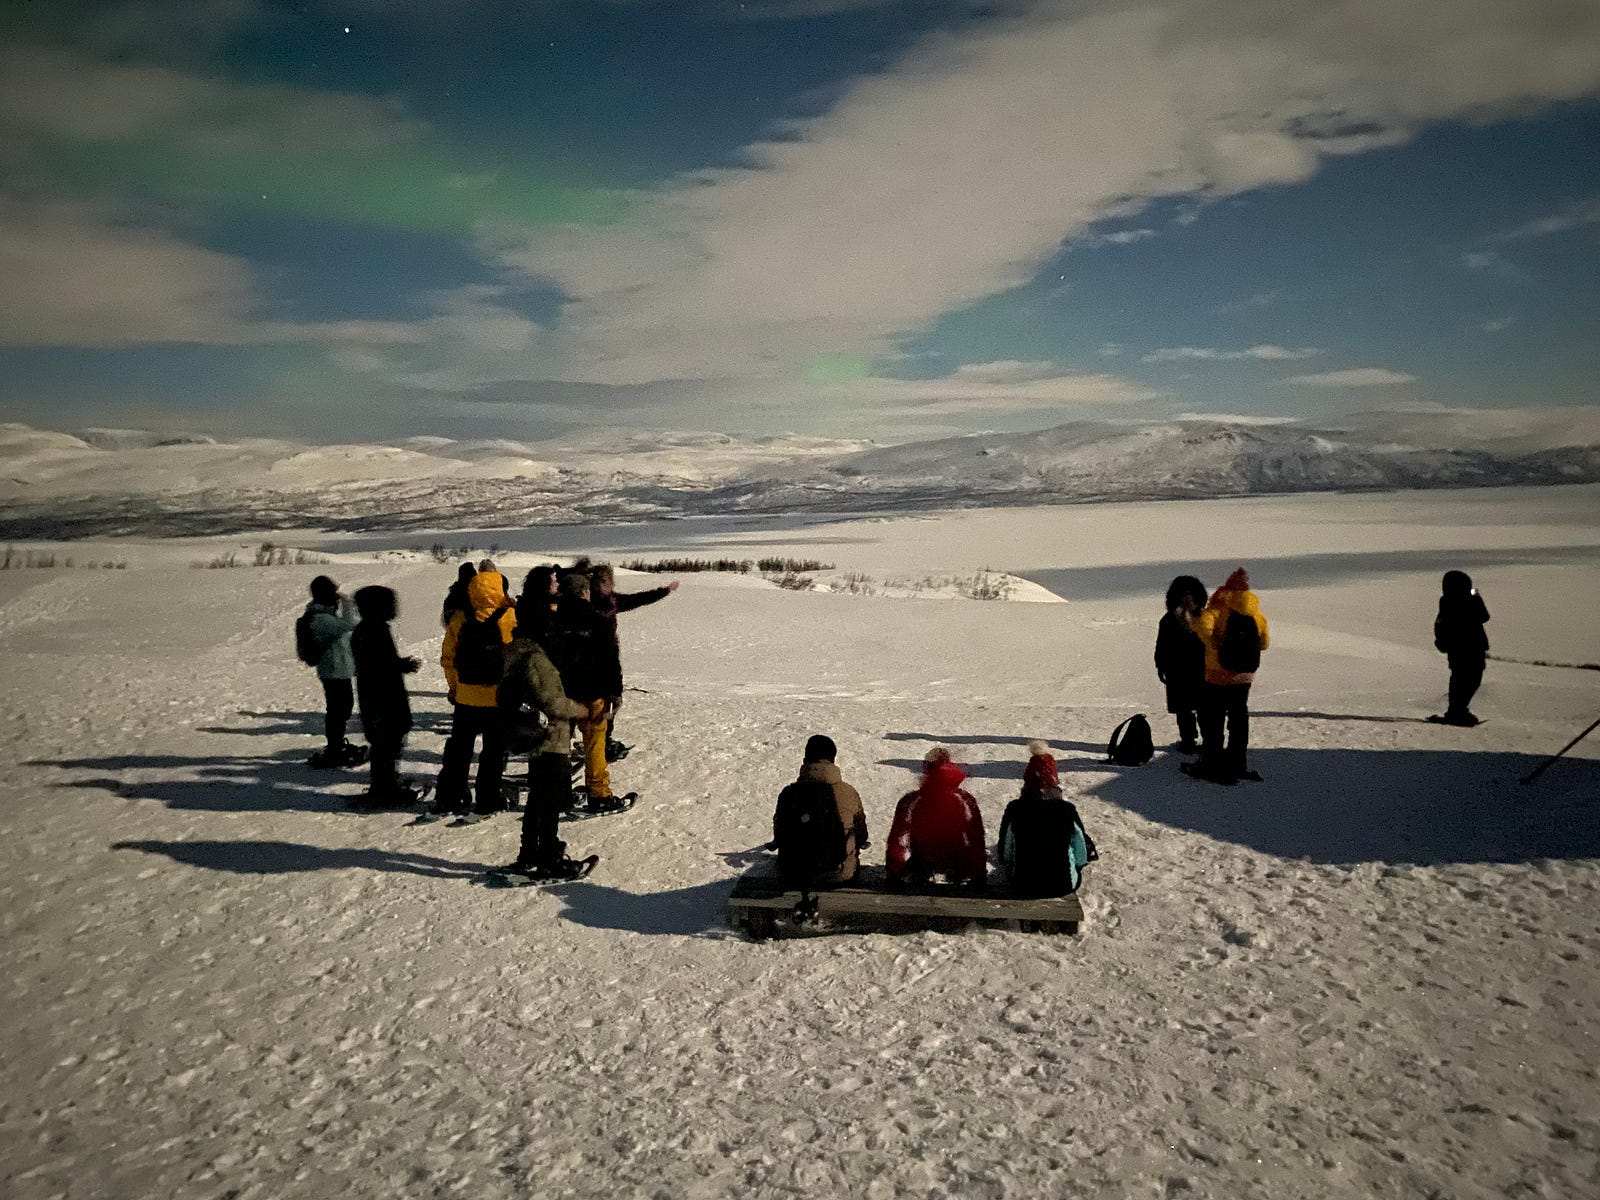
x: 1181, y: 657
x: 473, y: 658
x: 1458, y: 634
x: 455, y: 600
x: 381, y: 690
x: 331, y: 620
x: 585, y: 654
x: 1234, y: 633
x: 1043, y: 846
x: 809, y: 803
x: 532, y: 677
x: 937, y: 828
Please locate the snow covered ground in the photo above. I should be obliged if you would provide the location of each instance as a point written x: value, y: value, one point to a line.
x: 1374, y: 974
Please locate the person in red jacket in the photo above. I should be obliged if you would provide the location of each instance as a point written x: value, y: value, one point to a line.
x: 937, y: 829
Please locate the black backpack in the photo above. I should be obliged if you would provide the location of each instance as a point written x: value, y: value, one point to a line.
x: 308, y: 647
x: 480, y: 652
x: 524, y: 722
x: 1240, y: 648
x: 1131, y: 744
x: 809, y: 833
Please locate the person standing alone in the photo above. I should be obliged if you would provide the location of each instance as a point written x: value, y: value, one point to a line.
x: 1458, y: 635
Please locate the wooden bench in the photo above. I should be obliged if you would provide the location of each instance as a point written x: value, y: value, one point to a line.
x: 760, y: 901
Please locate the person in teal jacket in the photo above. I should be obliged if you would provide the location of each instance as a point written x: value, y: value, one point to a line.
x: 332, y: 622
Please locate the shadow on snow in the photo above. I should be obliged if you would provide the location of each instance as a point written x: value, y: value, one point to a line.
x: 286, y: 858
x: 1422, y: 807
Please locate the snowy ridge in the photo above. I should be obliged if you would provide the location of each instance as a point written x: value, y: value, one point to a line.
x: 120, y: 482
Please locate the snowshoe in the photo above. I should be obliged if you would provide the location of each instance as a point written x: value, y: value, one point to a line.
x: 567, y: 870
x: 1461, y: 720
x: 599, y: 806
x: 616, y: 751
x: 1201, y: 771
x: 347, y: 754
x: 470, y: 818
x: 402, y: 797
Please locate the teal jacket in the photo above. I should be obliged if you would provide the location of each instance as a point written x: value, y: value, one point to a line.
x: 332, y: 627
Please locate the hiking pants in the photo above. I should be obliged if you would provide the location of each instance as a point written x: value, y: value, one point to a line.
x: 1225, y: 705
x: 384, y: 761
x: 1466, y: 673
x: 549, y: 791
x: 340, y: 695
x: 596, y: 772
x: 466, y: 727
x: 1188, y: 725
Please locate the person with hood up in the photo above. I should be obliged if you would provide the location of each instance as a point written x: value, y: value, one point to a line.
x: 1234, y: 633
x: 1043, y: 846
x: 455, y: 600
x: 381, y: 692
x: 331, y: 620
x: 1458, y: 634
x: 532, y: 676
x: 1181, y: 657
x: 820, y: 790
x: 937, y: 829
x: 473, y: 658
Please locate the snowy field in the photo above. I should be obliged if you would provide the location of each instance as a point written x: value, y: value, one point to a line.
x: 1375, y: 974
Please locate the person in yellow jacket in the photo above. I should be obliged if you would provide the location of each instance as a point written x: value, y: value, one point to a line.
x: 473, y: 658
x: 1234, y: 634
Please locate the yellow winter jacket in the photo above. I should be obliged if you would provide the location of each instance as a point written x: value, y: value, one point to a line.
x: 485, y: 592
x: 1210, y: 624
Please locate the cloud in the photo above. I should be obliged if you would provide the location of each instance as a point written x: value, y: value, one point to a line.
x: 1353, y: 377
x: 1007, y: 386
x: 1496, y: 324
x: 1262, y: 353
x: 1580, y: 215
x: 956, y: 172
x: 1481, y: 260
x: 1120, y: 237
x: 71, y: 275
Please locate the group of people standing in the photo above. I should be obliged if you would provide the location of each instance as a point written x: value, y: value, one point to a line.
x: 1209, y: 649
x: 520, y: 675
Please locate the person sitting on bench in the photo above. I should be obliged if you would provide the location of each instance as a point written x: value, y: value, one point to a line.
x: 938, y: 829
x: 1043, y: 845
x: 819, y: 828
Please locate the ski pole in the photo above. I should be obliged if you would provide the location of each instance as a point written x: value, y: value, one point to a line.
x: 1540, y: 769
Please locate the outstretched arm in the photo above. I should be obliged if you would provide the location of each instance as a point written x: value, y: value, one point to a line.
x: 628, y: 601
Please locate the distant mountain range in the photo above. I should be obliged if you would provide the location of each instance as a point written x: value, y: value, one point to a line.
x: 126, y: 482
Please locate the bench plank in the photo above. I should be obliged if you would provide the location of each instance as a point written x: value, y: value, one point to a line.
x: 757, y: 900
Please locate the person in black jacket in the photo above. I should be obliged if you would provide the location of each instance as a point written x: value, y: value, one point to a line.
x: 1181, y: 657
x: 1458, y: 635
x: 609, y: 602
x: 381, y: 692
x: 591, y: 673
x: 1043, y: 846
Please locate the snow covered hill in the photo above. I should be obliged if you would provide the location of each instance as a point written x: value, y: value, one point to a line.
x: 121, y: 482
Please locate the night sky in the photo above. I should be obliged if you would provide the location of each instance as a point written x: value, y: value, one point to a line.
x: 378, y: 218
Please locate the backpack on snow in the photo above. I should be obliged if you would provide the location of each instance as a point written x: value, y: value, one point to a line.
x: 308, y: 647
x: 524, y: 723
x: 480, y: 652
x: 1240, y: 648
x: 1131, y: 744
x: 809, y: 832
